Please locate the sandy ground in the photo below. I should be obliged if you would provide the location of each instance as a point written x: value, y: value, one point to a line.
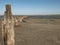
x: 37, y: 32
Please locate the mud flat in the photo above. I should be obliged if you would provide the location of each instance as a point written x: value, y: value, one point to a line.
x: 37, y: 31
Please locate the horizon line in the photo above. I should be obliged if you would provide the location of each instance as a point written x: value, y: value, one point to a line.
x: 33, y: 14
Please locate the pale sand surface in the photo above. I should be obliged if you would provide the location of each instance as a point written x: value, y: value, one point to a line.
x: 37, y: 32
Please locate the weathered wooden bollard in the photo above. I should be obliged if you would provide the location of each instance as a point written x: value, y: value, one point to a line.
x: 8, y: 27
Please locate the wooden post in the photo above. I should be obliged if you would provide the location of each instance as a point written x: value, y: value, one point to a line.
x: 8, y: 27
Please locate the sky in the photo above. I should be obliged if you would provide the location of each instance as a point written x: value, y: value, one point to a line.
x: 31, y: 7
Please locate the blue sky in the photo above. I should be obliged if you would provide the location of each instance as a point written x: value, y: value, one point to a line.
x: 29, y: 7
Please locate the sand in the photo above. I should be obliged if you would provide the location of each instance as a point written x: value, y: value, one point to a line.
x: 37, y: 32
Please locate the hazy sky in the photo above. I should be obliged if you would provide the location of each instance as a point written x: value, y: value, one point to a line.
x: 31, y: 6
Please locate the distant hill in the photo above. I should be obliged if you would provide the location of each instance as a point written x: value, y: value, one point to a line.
x: 38, y: 16
x: 45, y: 16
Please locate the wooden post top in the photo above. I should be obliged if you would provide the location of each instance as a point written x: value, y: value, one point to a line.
x: 8, y: 7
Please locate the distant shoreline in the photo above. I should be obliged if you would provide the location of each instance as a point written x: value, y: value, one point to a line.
x: 38, y: 16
